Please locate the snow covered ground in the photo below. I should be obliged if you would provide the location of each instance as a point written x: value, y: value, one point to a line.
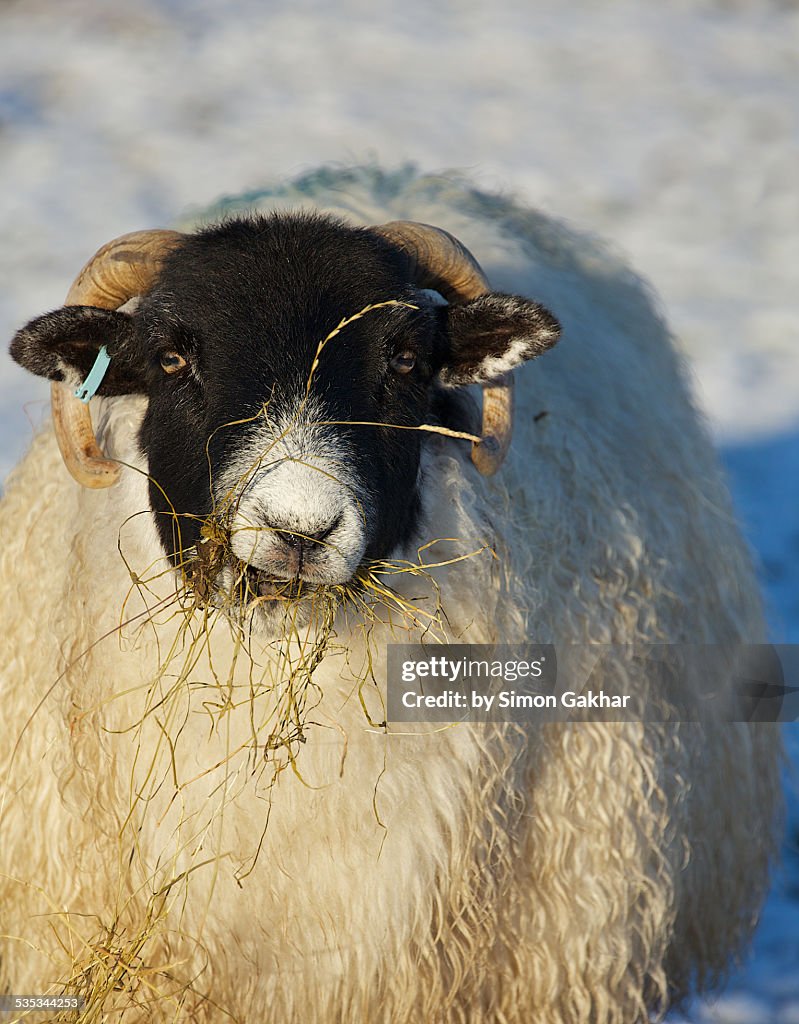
x: 671, y: 129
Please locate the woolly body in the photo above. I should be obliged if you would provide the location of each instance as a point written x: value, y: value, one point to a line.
x: 581, y: 872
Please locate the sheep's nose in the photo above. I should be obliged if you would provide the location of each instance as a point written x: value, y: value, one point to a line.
x: 305, y: 543
x: 297, y: 520
x: 296, y: 549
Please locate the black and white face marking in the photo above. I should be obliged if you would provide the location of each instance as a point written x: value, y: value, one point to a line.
x: 263, y: 419
x: 270, y: 435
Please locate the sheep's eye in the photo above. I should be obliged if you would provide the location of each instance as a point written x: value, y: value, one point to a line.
x: 171, y: 362
x: 404, y: 362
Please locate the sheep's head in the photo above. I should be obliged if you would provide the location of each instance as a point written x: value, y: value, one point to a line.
x: 284, y: 359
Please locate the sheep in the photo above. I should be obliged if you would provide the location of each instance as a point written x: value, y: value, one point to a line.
x: 204, y: 815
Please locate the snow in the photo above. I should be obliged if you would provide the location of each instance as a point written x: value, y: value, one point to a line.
x: 671, y: 129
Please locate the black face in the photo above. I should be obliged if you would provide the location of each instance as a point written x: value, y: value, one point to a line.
x: 247, y: 306
x: 282, y: 356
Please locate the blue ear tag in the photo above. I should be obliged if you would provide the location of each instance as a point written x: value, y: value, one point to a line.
x: 88, y: 388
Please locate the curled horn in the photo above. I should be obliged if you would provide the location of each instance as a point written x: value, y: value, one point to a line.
x: 436, y: 259
x: 119, y: 270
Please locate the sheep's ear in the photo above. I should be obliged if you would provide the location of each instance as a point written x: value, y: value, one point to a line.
x: 63, y: 346
x: 490, y: 335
